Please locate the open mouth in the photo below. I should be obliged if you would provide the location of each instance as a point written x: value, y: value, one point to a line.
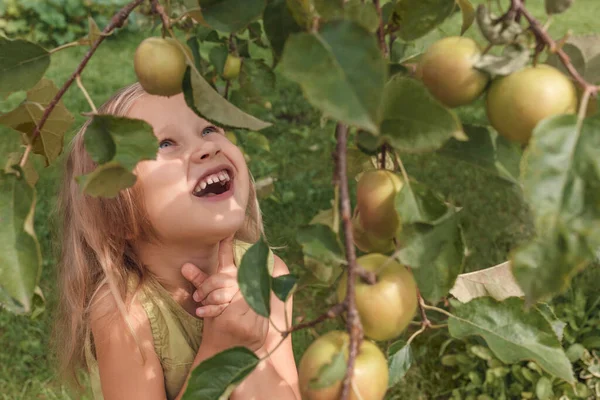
x: 214, y: 184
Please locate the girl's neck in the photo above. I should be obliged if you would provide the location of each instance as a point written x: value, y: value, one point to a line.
x: 164, y: 261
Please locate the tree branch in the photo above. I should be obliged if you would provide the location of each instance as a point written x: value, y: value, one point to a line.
x: 333, y: 312
x: 116, y: 22
x: 353, y: 324
x: 518, y: 8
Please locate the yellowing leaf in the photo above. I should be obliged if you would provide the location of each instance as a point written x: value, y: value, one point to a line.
x: 468, y: 14
x: 25, y: 118
x: 497, y: 282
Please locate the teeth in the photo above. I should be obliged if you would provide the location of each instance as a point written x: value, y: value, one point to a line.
x: 222, y: 177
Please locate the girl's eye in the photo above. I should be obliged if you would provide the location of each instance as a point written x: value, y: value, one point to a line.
x: 209, y: 129
x: 165, y: 143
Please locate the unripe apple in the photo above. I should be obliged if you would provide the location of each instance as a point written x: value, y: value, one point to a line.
x: 370, y: 369
x: 446, y: 69
x: 160, y: 65
x: 375, y: 200
x: 387, y: 307
x: 232, y: 67
x: 516, y: 103
x: 366, y: 242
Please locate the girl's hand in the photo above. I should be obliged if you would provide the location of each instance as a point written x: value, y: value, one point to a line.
x: 228, y: 319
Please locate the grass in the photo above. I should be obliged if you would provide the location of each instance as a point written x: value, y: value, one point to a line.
x: 299, y: 157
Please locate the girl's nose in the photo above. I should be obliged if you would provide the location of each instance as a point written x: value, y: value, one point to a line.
x: 205, y: 151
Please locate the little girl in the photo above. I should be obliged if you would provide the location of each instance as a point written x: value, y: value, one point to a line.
x: 148, y: 280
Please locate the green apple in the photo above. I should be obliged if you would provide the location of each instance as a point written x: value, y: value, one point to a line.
x: 516, y: 103
x: 232, y: 67
x: 160, y: 64
x: 375, y: 199
x: 370, y: 369
x: 446, y: 69
x: 387, y: 307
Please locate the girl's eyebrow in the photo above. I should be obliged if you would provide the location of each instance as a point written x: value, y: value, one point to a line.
x: 165, y: 129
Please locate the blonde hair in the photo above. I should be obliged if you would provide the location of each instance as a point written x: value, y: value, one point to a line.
x: 97, y: 237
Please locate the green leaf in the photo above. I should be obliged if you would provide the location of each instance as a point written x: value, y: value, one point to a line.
x: 561, y: 183
x: 416, y: 18
x: 207, y: 103
x: 362, y: 13
x: 436, y: 253
x: 543, y: 389
x: 26, y: 117
x: 325, y: 64
x: 257, y: 80
x: 545, y: 265
x: 497, y: 282
x: 214, y: 376
x: 279, y: 24
x: 330, y: 373
x: 468, y: 14
x: 413, y: 121
x: 400, y: 359
x: 283, y: 286
x: 514, y: 57
x: 417, y: 203
x: 20, y: 256
x: 320, y: 242
x: 323, y: 254
x: 557, y: 7
x: 254, y: 278
x: 22, y: 65
x: 575, y: 352
x: 485, y: 150
x: 106, y: 180
x: 29, y: 172
x: 511, y: 333
x: 231, y: 16
x: 123, y: 140
x: 584, y: 54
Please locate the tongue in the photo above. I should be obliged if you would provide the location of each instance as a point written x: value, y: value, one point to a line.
x: 213, y: 189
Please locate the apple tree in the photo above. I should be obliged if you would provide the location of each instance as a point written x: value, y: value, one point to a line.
x: 398, y: 256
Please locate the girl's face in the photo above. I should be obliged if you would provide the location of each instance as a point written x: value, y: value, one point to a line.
x: 197, y: 188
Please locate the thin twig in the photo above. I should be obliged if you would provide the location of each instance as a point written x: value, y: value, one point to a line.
x: 402, y: 169
x: 424, y: 320
x: 157, y: 8
x: 116, y: 22
x: 64, y: 46
x: 333, y: 312
x: 380, y: 30
x: 414, y: 335
x: 440, y: 310
x: 86, y: 94
x: 353, y: 324
x: 383, y: 156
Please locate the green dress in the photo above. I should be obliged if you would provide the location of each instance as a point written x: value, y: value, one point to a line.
x: 176, y: 333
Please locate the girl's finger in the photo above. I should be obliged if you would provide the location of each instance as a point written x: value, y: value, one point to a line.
x: 211, y: 311
x: 193, y: 274
x: 220, y: 296
x: 213, y: 282
x: 226, y: 254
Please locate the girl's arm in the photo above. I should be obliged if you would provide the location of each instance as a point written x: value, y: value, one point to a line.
x: 278, y: 374
x: 123, y: 373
